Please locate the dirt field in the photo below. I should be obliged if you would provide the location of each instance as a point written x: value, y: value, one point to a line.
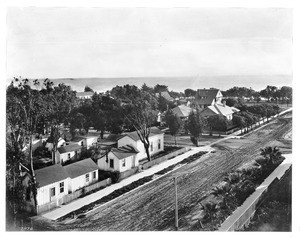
x: 151, y: 207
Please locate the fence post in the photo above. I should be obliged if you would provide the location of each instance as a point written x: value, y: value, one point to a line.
x: 176, y: 204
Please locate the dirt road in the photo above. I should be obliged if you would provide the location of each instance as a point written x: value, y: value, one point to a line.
x: 152, y: 207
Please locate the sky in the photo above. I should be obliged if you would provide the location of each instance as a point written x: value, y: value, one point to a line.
x: 146, y: 42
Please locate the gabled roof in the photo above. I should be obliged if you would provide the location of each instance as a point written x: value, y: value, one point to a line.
x: 124, y: 151
x: 84, y: 94
x: 80, y: 168
x: 68, y: 148
x: 182, y: 111
x: 208, y: 94
x: 50, y: 174
x: 165, y: 95
x: 221, y: 109
x: 134, y: 135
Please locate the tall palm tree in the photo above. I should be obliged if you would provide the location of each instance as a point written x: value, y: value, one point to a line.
x: 224, y: 192
x: 271, y: 154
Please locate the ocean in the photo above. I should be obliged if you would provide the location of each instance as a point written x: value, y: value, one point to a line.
x: 179, y: 84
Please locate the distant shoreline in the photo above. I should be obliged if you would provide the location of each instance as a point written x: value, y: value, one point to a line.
x: 178, y: 84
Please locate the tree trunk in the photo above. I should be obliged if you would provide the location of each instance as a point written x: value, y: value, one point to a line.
x: 175, y: 139
x: 147, y: 152
x: 196, y: 139
x: 34, y: 190
x: 101, y: 134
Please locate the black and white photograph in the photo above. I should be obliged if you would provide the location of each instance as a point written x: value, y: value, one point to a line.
x: 149, y: 119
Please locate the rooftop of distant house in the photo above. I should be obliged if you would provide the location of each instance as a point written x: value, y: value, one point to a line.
x: 134, y: 135
x: 182, y: 111
x: 166, y: 95
x: 206, y: 96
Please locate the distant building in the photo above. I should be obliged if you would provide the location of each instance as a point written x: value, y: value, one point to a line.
x: 85, y: 141
x: 84, y: 95
x: 165, y: 95
x: 208, y: 97
x: 219, y: 109
x: 68, y: 152
x: 182, y: 111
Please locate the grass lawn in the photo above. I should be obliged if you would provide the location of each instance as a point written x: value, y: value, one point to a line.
x: 185, y: 140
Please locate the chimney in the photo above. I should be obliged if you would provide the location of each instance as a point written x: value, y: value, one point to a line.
x: 224, y: 103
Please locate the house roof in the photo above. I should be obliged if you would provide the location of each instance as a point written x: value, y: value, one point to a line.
x: 182, y: 111
x: 208, y: 94
x: 221, y: 109
x: 68, y: 148
x: 124, y: 151
x: 134, y: 135
x: 81, y: 167
x: 84, y: 94
x: 50, y: 174
x: 165, y: 95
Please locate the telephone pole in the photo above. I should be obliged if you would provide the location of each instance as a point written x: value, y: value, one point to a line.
x: 176, y: 204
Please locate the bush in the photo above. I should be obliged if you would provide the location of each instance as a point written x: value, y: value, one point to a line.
x: 114, y: 175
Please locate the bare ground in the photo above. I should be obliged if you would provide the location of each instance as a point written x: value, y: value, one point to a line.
x: 152, y: 206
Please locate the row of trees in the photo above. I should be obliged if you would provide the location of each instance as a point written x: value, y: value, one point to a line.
x: 270, y: 92
x: 30, y: 112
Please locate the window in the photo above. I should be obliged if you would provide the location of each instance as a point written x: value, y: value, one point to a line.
x: 151, y: 146
x: 124, y: 162
x: 111, y: 163
x: 61, y: 187
x: 94, y: 175
x: 52, y: 192
x: 69, y: 156
x: 159, y: 144
x: 81, y: 143
x: 87, y: 177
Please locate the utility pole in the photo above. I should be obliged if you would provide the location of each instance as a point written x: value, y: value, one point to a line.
x: 176, y: 204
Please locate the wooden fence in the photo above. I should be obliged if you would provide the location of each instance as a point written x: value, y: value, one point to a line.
x: 241, y: 217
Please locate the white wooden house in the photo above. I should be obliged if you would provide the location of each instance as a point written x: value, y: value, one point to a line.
x: 82, y: 174
x: 49, y: 143
x: 130, y: 151
x: 219, y: 109
x: 85, y: 141
x: 156, y: 139
x: 52, y: 186
x: 119, y: 159
x: 68, y: 152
